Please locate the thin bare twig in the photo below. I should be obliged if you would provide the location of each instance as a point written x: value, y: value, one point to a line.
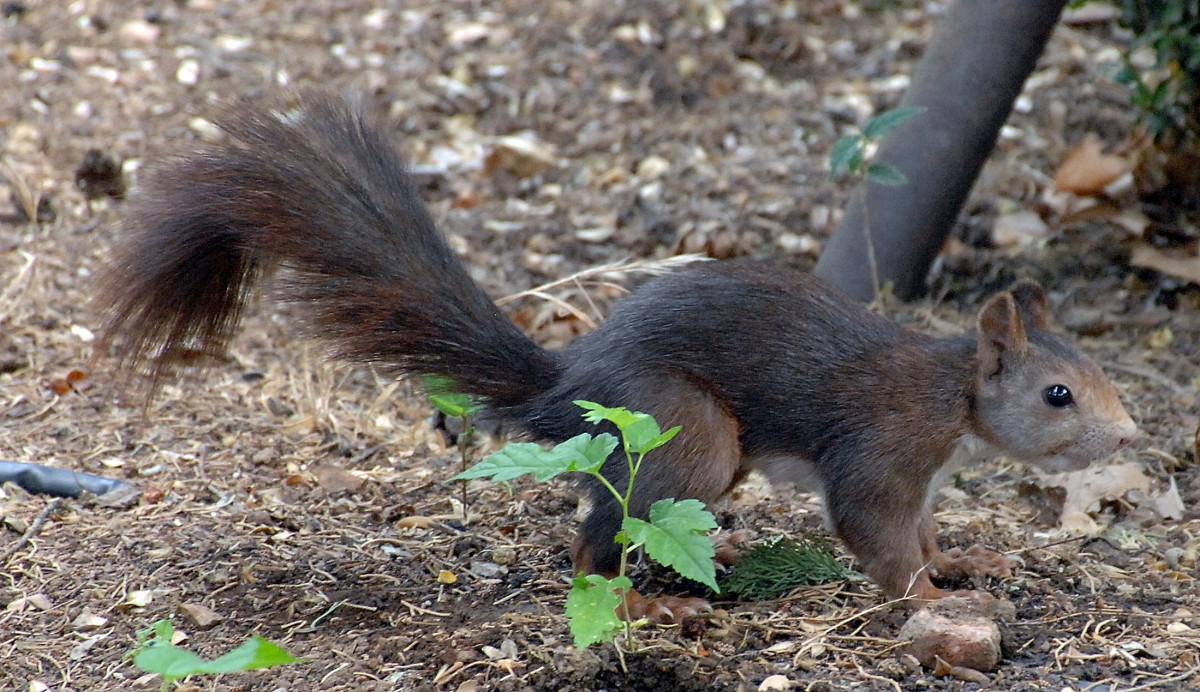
x: 50, y: 508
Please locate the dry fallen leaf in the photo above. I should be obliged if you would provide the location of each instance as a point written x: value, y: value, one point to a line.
x: 200, y: 615
x: 521, y: 154
x: 1073, y: 211
x: 776, y: 682
x: 1169, y: 504
x: 1178, y: 263
x: 942, y: 669
x: 1086, y: 489
x: 1087, y: 170
x: 38, y: 600
x: 87, y: 620
x: 137, y: 599
x: 415, y: 521
x: 333, y: 479
x: 1017, y: 229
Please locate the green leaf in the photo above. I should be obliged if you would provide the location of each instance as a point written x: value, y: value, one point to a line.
x: 257, y: 652
x: 640, y: 430
x: 660, y: 440
x: 580, y: 453
x: 169, y: 661
x: 843, y: 153
x: 618, y: 416
x: 456, y: 405
x: 158, y: 655
x: 443, y: 393
x: 884, y: 123
x: 518, y: 459
x: 592, y: 608
x: 160, y: 629
x: 885, y: 174
x: 640, y: 433
x: 584, y: 452
x: 674, y: 537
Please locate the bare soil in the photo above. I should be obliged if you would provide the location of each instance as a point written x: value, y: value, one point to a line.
x: 308, y: 502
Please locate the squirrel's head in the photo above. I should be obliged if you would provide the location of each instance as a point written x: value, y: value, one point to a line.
x: 1038, y: 397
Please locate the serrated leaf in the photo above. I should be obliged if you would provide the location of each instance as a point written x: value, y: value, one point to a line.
x: 518, y: 459
x: 662, y: 439
x: 595, y: 413
x: 842, y: 154
x: 592, y: 608
x: 640, y: 432
x: 674, y: 537
x: 885, y: 174
x: 584, y: 452
x: 884, y: 123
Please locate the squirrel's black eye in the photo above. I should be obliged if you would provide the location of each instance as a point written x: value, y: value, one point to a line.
x: 1058, y: 396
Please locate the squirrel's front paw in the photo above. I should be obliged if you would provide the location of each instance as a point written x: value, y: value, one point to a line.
x: 663, y: 610
x: 975, y: 561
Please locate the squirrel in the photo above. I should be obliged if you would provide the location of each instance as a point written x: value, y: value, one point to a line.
x: 765, y: 367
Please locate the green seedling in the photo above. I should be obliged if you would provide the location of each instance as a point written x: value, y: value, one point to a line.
x: 444, y: 397
x: 772, y: 569
x: 854, y: 155
x: 156, y: 654
x: 673, y: 534
x: 851, y: 154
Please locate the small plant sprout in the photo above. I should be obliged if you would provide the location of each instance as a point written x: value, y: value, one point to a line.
x: 156, y: 654
x: 852, y: 153
x: 673, y: 534
x: 454, y: 404
x: 855, y: 154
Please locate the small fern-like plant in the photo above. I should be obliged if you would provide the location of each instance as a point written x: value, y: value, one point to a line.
x: 770, y: 570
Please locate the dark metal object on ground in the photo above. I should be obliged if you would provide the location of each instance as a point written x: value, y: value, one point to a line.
x: 51, y: 480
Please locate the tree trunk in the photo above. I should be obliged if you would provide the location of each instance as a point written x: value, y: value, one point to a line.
x: 968, y: 79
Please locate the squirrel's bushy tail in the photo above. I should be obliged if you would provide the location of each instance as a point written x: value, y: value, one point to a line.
x: 314, y: 188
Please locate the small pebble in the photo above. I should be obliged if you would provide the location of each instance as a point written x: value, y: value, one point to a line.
x: 188, y: 72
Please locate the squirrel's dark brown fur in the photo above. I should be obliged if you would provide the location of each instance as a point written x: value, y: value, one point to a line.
x: 763, y: 366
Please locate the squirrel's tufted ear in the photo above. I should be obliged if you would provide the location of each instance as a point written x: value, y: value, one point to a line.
x: 1000, y: 332
x: 1031, y: 303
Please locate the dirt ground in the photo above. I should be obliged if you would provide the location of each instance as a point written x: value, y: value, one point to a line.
x: 308, y: 502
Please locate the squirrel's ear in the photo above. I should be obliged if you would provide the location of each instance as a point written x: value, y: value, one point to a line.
x: 1031, y: 303
x: 1000, y: 331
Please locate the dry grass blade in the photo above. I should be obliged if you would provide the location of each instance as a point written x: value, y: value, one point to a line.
x: 24, y: 194
x: 612, y: 271
x: 8, y: 299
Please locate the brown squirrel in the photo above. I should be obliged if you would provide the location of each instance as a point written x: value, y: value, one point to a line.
x: 764, y: 367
